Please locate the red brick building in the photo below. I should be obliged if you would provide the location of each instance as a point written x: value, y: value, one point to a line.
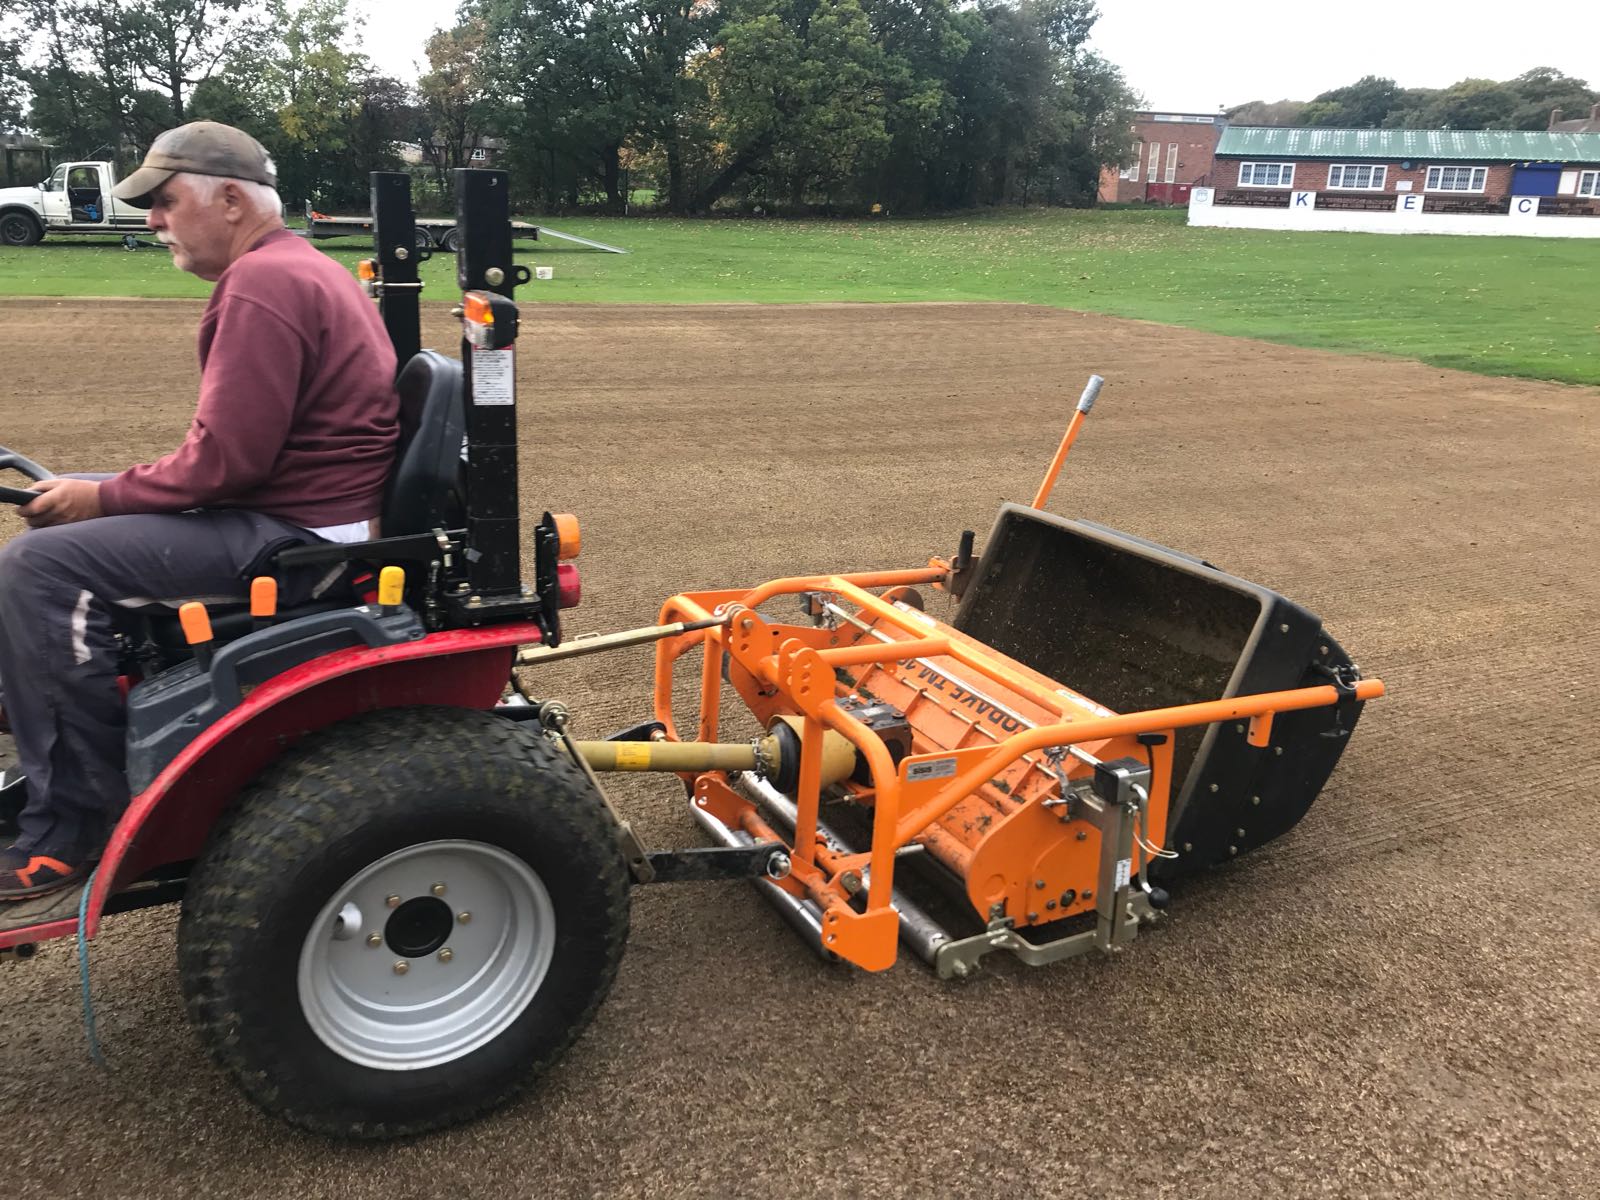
x: 1589, y: 124
x: 1449, y: 167
x: 1172, y: 153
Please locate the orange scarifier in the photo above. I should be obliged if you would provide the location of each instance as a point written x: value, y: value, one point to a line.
x: 1100, y: 716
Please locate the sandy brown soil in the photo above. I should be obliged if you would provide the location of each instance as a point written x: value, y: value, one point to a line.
x: 1400, y: 998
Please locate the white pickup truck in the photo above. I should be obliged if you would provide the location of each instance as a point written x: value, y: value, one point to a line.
x: 75, y: 199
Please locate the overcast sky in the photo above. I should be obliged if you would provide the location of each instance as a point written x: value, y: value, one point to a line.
x: 1198, y: 57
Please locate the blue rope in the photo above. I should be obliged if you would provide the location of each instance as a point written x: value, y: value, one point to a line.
x: 83, y: 972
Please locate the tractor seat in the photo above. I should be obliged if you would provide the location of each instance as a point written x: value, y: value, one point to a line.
x: 423, y: 493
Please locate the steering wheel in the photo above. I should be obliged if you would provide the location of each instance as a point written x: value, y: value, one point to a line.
x: 10, y: 460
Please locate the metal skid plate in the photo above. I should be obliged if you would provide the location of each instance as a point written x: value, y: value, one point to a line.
x: 962, y: 959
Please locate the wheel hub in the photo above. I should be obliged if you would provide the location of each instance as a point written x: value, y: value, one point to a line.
x: 462, y: 962
x: 418, y: 927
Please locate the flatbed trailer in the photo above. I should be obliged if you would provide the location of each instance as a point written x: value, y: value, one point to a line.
x: 440, y: 232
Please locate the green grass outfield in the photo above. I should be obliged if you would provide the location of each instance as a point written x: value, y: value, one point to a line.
x: 1499, y: 306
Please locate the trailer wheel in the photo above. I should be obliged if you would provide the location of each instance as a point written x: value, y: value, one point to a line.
x: 20, y: 229
x: 403, y: 922
x: 424, y: 239
x: 451, y: 241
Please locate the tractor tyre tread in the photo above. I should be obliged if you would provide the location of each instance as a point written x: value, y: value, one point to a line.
x: 302, y: 806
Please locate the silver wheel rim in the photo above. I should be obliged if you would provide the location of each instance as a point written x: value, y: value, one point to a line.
x: 381, y: 987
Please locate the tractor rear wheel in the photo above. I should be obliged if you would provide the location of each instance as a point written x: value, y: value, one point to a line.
x: 403, y: 922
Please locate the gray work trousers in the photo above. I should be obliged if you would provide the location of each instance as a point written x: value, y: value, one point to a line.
x: 59, y: 610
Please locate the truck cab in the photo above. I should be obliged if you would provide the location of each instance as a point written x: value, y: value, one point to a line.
x: 76, y: 198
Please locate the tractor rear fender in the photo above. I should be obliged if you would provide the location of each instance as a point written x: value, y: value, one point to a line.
x: 168, y: 821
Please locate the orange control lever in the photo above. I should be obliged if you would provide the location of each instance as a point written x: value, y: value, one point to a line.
x: 196, y: 624
x: 263, y: 601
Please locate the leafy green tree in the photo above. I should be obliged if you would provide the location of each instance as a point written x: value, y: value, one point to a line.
x: 324, y: 117
x: 1260, y: 112
x: 1472, y: 104
x: 797, y: 90
x: 535, y: 72
x: 1544, y: 89
x: 1099, y: 133
x: 13, y: 79
x: 1362, y: 105
x: 1372, y: 103
x: 86, y: 73
x: 175, y: 45
x: 1037, y: 115
x: 386, y: 115
x: 80, y: 76
x: 454, y: 98
x: 579, y: 86
x: 1411, y: 110
x: 674, y: 116
x: 924, y: 44
x: 912, y: 103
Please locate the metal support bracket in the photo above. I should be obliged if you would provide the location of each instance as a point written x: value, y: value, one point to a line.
x: 768, y: 860
x: 962, y: 959
x: 1119, y: 790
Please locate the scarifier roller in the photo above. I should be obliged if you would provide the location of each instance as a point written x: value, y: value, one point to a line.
x: 1102, y: 716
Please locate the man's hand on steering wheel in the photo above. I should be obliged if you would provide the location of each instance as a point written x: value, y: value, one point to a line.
x: 62, y: 501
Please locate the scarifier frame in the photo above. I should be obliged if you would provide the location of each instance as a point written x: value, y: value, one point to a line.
x: 1117, y: 809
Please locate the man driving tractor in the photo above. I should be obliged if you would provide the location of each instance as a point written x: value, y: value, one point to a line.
x: 292, y: 441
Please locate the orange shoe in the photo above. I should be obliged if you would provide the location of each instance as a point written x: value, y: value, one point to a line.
x: 24, y: 874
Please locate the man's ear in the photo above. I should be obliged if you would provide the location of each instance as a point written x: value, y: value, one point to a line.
x: 232, y: 197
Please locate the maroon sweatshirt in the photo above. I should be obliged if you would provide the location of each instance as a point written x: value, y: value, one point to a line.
x: 298, y: 412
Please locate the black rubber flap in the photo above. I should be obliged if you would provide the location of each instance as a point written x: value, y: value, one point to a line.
x: 1134, y: 625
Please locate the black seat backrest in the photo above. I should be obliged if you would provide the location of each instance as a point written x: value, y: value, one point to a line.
x: 425, y: 488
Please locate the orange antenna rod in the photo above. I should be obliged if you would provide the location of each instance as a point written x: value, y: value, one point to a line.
x: 1085, y: 403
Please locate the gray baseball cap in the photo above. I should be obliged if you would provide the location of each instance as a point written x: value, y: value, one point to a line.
x: 199, y: 148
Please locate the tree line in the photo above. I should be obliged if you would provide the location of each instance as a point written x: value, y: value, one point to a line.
x: 787, y: 105
x: 1373, y: 102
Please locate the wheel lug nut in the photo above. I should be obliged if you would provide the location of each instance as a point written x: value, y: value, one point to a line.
x: 437, y: 889
x: 374, y: 940
x: 401, y: 967
x: 464, y: 917
x: 393, y: 901
x: 446, y: 954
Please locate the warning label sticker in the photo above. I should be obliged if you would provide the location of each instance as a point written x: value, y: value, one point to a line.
x: 935, y: 768
x: 492, y: 376
x: 1124, y: 872
x: 633, y: 755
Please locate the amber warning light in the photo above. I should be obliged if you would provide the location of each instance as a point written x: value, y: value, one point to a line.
x: 489, y: 321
